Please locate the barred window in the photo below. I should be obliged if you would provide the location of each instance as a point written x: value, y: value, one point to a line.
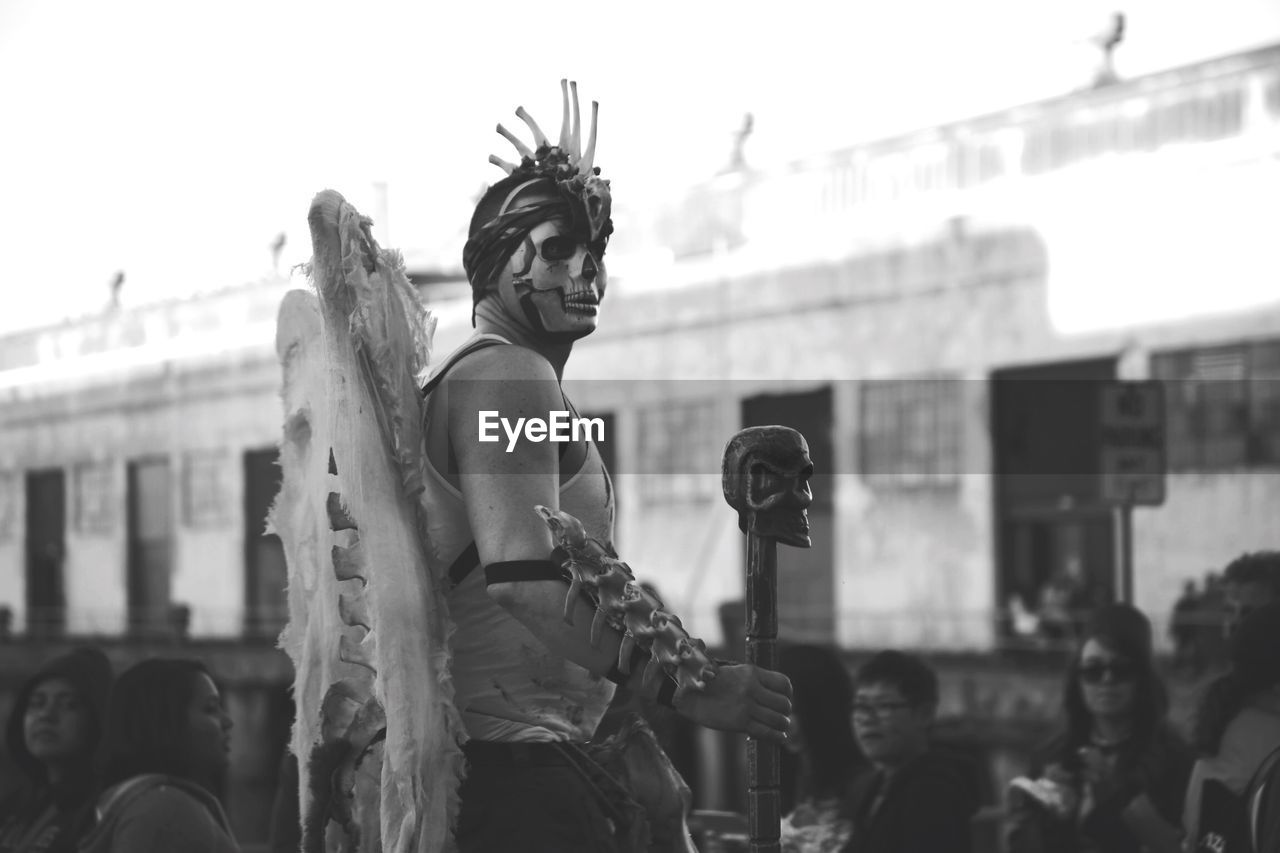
x: 204, y: 489
x: 95, y: 498
x: 910, y: 433
x: 679, y: 452
x: 9, y: 481
x: 1222, y: 405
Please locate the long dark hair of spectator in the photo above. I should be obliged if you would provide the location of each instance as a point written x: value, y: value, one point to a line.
x: 147, y: 722
x: 822, y: 700
x: 1255, y: 667
x: 1126, y: 632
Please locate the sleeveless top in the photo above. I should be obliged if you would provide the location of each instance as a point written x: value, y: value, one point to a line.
x: 507, y: 685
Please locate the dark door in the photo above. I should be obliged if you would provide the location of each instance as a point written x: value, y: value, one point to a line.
x: 46, y: 552
x: 1055, y: 539
x: 150, y: 546
x: 266, y: 574
x: 806, y: 576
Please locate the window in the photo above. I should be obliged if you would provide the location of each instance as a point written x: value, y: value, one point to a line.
x: 8, y: 505
x: 680, y: 451
x: 910, y: 433
x: 95, y: 498
x: 204, y: 492
x: 1223, y: 405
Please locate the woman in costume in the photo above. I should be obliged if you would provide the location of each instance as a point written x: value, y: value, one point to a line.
x: 168, y: 745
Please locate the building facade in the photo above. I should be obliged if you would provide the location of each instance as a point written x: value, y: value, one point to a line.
x: 933, y: 311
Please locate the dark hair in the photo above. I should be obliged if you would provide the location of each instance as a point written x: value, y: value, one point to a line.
x: 89, y: 671
x: 822, y: 697
x: 491, y: 243
x: 1126, y: 631
x: 147, y: 721
x: 1255, y: 667
x: 909, y: 674
x: 1255, y: 567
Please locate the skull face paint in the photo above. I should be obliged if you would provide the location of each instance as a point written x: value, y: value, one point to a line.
x: 554, y: 282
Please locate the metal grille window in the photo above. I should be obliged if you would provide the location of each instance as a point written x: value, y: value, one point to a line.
x: 678, y: 449
x: 96, y: 503
x: 9, y: 482
x: 910, y: 433
x: 204, y: 490
x: 1223, y: 405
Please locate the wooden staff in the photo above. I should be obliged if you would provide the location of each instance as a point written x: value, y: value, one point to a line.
x: 766, y: 474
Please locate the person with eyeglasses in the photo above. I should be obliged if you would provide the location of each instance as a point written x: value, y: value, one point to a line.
x: 913, y: 798
x: 1113, y: 780
x: 1237, y: 733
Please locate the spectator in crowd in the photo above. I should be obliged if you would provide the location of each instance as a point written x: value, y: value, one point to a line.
x: 911, y: 799
x: 1210, y: 625
x: 1237, y: 727
x: 1060, y: 598
x: 53, y: 735
x: 168, y: 742
x: 1183, y: 629
x: 821, y: 757
x: 285, y: 832
x: 1249, y: 582
x: 1100, y: 784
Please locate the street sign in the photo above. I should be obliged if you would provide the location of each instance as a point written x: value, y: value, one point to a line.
x: 1132, y: 443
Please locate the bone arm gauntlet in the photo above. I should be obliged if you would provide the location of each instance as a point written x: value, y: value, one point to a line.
x: 622, y: 603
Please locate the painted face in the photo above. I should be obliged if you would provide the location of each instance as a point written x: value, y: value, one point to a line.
x: 56, y: 724
x: 554, y: 282
x: 208, y: 727
x: 890, y: 730
x: 1108, y: 682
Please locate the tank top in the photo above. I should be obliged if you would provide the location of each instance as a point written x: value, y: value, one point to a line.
x: 507, y: 685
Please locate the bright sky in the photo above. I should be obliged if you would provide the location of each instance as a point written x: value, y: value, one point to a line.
x: 176, y: 144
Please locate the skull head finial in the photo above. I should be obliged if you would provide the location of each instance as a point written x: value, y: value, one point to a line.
x: 766, y: 475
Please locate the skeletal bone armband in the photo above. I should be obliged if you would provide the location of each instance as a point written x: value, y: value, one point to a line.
x: 622, y: 603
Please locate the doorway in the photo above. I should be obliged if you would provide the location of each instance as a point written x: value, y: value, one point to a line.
x: 46, y: 553
x: 1055, y: 538
x: 266, y: 573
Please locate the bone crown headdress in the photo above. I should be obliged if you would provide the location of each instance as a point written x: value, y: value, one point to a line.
x: 573, y: 171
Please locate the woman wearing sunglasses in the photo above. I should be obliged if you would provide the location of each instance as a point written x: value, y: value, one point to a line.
x: 1118, y: 771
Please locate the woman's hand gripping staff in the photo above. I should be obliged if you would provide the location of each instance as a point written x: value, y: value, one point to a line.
x: 720, y: 695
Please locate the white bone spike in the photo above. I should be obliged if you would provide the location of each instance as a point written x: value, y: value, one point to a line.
x: 575, y: 136
x: 521, y: 148
x: 502, y: 164
x: 589, y: 157
x: 348, y: 563
x: 565, y: 129
x: 359, y: 652
x: 539, y: 138
x: 354, y: 610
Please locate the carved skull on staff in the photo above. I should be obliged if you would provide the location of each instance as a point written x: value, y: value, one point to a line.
x: 766, y: 479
